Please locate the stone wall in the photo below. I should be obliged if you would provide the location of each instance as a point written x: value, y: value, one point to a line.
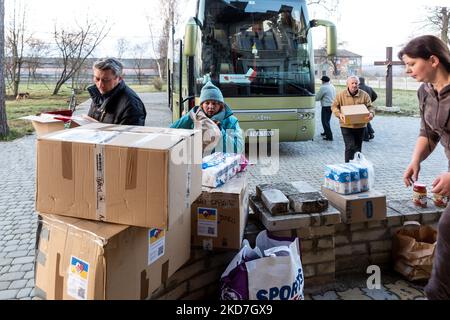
x: 327, y: 250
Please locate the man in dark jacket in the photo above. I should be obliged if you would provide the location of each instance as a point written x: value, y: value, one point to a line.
x: 112, y: 100
x: 369, y: 133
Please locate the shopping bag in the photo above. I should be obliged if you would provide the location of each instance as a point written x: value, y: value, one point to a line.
x: 359, y: 158
x: 270, y: 271
x: 211, y: 134
x: 413, y: 250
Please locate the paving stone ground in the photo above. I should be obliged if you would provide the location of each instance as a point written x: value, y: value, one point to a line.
x: 390, y: 152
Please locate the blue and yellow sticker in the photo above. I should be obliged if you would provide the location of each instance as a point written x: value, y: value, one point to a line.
x: 79, y: 267
x: 206, y: 214
x: 156, y: 234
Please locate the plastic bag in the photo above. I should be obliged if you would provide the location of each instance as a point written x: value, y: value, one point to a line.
x: 362, y: 160
x: 211, y: 134
x: 270, y: 271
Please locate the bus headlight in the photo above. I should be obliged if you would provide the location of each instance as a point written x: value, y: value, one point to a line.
x: 306, y: 114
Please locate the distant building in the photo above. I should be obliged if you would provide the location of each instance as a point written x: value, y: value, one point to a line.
x: 345, y: 63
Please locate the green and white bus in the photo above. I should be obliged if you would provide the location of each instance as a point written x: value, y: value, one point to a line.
x: 259, y: 53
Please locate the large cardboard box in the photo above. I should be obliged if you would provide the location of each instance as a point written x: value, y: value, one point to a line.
x: 359, y: 207
x: 46, y: 123
x: 220, y: 214
x: 355, y: 114
x: 121, y: 174
x: 84, y: 260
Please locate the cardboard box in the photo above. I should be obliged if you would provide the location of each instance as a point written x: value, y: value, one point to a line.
x: 359, y: 207
x: 46, y: 123
x: 219, y: 215
x: 84, y: 260
x: 355, y: 114
x: 121, y: 174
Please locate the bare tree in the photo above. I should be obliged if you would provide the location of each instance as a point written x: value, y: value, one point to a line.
x: 37, y: 49
x: 4, y: 129
x: 169, y: 15
x: 16, y: 38
x: 122, y: 47
x: 75, y: 46
x: 139, y: 52
x: 328, y: 5
x: 438, y: 20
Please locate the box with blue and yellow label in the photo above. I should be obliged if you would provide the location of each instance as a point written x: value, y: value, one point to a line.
x: 220, y: 214
x: 88, y: 260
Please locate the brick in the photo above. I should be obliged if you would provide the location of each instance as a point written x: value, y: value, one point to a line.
x: 315, y: 219
x: 8, y: 294
x: 342, y: 227
x: 428, y: 218
x: 370, y: 235
x: 352, y: 264
x: 326, y: 268
x: 18, y: 284
x: 395, y: 221
x: 321, y: 280
x: 381, y: 258
x: 282, y: 233
x: 331, y: 218
x: 380, y: 246
x: 275, y: 201
x: 318, y: 256
x: 23, y: 260
x: 358, y: 249
x: 309, y: 270
x: 357, y: 226
x: 306, y: 245
x: 340, y: 240
x: 12, y: 276
x: 326, y: 243
x: 377, y: 224
x: 24, y: 294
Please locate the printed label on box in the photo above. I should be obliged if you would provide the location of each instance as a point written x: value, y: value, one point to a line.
x: 77, y: 280
x: 208, y: 244
x: 207, y: 222
x: 156, y: 244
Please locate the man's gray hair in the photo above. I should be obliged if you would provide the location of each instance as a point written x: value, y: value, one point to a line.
x: 353, y: 78
x: 109, y: 64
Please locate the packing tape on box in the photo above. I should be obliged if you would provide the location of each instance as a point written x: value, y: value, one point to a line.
x: 45, y: 233
x: 100, y: 184
x: 131, y: 169
x: 66, y: 159
x: 41, y: 257
x: 38, y: 292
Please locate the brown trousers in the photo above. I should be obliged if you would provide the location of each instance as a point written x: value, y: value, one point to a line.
x: 438, y: 287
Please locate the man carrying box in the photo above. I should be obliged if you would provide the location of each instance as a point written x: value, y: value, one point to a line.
x: 353, y: 131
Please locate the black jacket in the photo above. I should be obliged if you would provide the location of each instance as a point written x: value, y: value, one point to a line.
x: 373, y: 95
x: 119, y: 106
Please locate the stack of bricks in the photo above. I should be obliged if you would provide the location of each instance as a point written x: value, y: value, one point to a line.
x: 316, y: 231
x: 360, y: 245
x: 328, y: 247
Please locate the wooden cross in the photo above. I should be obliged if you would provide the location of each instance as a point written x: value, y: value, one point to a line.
x: 389, y: 63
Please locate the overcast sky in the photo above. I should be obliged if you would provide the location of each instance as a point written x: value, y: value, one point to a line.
x: 367, y: 27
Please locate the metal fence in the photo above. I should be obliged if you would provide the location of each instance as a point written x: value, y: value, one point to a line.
x: 399, y: 83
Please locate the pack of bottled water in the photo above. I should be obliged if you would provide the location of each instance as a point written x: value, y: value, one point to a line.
x: 347, y: 178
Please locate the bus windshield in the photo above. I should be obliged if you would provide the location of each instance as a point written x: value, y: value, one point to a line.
x: 256, y: 48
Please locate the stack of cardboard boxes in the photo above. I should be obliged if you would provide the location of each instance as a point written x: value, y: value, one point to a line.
x: 114, y: 209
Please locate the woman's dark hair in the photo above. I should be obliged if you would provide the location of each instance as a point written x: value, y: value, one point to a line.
x: 426, y: 46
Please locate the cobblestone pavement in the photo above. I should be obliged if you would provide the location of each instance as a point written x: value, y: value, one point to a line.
x: 389, y: 151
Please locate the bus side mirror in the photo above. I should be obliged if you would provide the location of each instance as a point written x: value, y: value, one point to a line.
x: 331, y: 34
x: 190, y: 38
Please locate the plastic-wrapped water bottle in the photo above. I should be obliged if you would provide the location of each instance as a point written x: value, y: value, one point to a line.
x: 213, y: 160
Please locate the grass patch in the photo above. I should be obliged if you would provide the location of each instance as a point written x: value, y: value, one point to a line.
x: 41, y: 100
x: 406, y: 100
